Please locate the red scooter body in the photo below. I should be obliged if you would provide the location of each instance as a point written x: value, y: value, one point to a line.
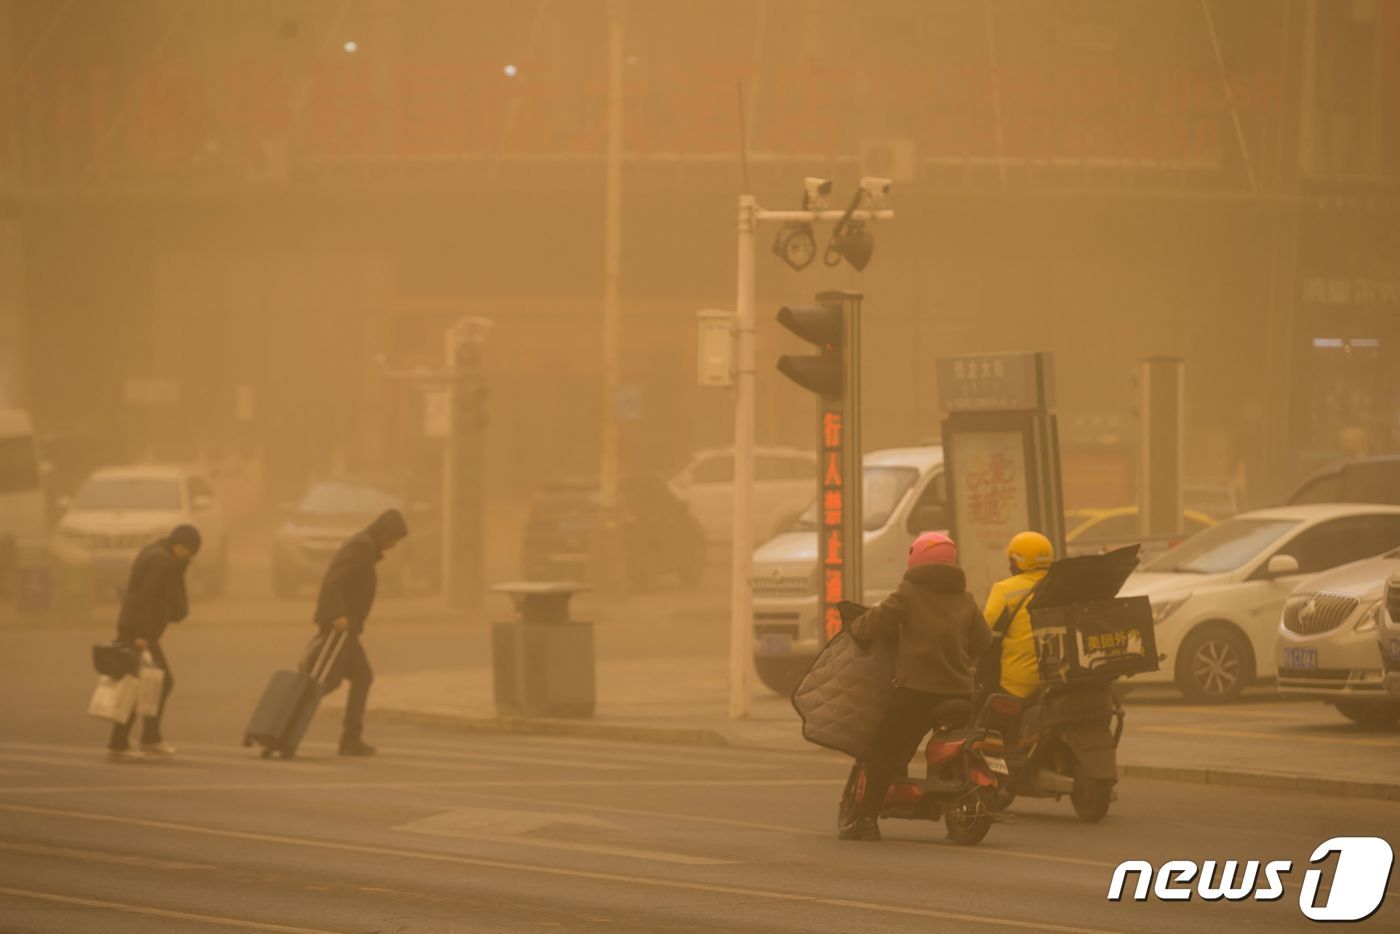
x: 962, y: 785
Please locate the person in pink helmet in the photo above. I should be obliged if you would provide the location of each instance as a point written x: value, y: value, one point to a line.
x: 941, y: 634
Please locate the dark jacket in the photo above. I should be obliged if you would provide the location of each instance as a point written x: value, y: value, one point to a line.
x: 155, y: 594
x: 939, y: 628
x: 348, y: 588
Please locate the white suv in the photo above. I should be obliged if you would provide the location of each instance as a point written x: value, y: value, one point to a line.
x: 903, y: 496
x: 1327, y: 641
x: 120, y: 510
x: 783, y: 481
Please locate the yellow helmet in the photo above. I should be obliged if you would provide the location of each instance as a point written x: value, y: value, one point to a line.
x: 1030, y: 551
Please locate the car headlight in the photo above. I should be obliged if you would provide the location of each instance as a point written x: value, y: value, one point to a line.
x: 1164, y: 608
x: 1371, y: 618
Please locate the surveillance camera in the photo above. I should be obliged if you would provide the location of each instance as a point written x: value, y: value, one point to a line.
x: 815, y: 191
x: 875, y: 186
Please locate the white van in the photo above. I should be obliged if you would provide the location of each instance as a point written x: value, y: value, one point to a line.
x: 23, y: 509
x: 904, y: 495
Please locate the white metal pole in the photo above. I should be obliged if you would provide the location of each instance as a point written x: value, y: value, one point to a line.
x: 449, y: 469
x: 607, y: 553
x: 741, y: 567
x: 612, y: 254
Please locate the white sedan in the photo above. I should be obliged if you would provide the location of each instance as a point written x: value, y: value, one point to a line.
x: 1217, y: 597
x: 1327, y: 647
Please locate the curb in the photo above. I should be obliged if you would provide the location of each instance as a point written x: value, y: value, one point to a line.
x: 1269, y: 781
x: 674, y: 736
x: 700, y: 736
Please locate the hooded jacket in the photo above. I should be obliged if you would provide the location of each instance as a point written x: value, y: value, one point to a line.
x: 348, y: 588
x: 937, y: 625
x: 154, y: 595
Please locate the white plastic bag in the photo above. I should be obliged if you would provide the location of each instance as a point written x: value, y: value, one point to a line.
x: 152, y: 682
x: 114, y: 699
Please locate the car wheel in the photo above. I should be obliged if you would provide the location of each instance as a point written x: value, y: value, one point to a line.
x: 781, y: 674
x: 1213, y: 665
x: 1371, y: 716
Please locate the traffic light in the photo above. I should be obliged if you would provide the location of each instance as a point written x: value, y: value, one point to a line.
x: 833, y: 325
x: 469, y: 391
x: 824, y: 325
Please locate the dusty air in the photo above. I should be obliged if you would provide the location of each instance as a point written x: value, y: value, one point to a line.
x: 769, y: 466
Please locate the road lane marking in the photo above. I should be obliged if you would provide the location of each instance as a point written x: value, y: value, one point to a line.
x: 408, y: 785
x: 499, y: 826
x: 566, y: 752
x: 780, y: 828
x: 1275, y: 737
x: 98, y: 856
x: 713, y: 888
x: 160, y: 912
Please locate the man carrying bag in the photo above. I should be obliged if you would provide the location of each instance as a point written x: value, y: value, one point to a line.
x: 154, y: 597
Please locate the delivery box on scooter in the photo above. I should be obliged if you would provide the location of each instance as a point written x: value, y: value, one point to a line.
x: 1083, y: 630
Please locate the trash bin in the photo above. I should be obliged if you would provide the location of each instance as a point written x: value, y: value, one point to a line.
x: 542, y: 662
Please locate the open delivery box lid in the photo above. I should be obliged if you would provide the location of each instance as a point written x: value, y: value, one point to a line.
x: 1085, y: 578
x: 1083, y: 629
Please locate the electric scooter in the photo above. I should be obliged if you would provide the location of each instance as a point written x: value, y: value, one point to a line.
x: 964, y: 785
x: 1064, y: 742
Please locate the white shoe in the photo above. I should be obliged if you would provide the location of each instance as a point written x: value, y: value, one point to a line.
x: 164, y: 750
x: 124, y: 755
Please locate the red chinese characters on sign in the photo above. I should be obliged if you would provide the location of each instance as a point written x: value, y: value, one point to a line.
x: 833, y: 502
x: 831, y: 508
x: 832, y: 622
x: 833, y: 585
x: 992, y: 489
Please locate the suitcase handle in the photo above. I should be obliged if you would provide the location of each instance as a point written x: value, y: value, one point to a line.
x: 326, y: 658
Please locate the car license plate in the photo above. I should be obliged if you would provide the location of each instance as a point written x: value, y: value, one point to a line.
x: 1395, y: 650
x: 997, y: 764
x: 1300, y: 659
x: 776, y: 645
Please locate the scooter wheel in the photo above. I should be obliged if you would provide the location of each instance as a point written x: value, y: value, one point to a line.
x: 1091, y: 797
x: 964, y: 829
x: 267, y: 753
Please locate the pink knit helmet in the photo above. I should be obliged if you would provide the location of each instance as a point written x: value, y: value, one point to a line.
x: 933, y: 548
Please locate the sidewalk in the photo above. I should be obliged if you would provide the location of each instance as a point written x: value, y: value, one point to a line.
x: 1258, y: 743
x: 666, y: 607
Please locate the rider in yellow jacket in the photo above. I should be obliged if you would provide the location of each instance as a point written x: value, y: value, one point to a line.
x: 1030, y: 554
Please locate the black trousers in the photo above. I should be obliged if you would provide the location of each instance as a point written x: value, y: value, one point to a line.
x: 910, y: 716
x: 150, y: 729
x: 353, y: 666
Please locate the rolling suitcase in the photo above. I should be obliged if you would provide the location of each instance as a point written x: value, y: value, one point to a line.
x: 290, y: 700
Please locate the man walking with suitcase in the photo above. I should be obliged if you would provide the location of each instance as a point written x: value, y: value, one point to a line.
x: 344, y: 603
x: 154, y: 597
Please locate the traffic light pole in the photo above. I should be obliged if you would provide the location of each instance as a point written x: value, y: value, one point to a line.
x: 741, y: 558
